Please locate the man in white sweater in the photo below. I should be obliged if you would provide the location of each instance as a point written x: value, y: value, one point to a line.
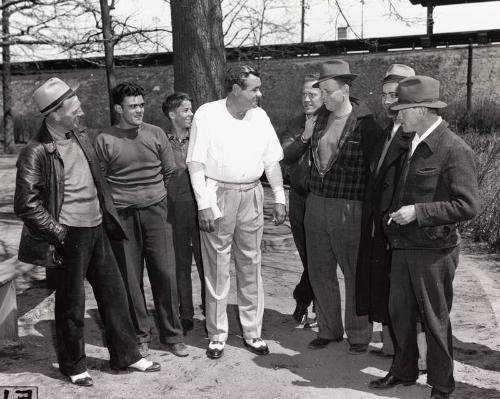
x: 232, y: 144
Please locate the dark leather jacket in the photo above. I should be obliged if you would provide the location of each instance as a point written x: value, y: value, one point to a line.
x: 39, y: 197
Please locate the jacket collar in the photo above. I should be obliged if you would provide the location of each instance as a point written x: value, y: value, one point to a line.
x: 433, y: 139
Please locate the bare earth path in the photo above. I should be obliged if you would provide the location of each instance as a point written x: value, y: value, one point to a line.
x: 290, y: 371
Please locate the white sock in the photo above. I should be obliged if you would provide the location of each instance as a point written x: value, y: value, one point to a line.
x: 85, y: 374
x: 142, y: 364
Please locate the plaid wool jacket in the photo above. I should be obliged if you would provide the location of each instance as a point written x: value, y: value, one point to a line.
x: 347, y: 171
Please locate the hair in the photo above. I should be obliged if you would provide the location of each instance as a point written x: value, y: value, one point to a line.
x: 344, y: 81
x: 311, y: 77
x: 238, y: 75
x: 126, y: 89
x: 174, y: 101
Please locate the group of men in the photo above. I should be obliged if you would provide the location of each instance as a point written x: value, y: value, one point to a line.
x: 382, y: 204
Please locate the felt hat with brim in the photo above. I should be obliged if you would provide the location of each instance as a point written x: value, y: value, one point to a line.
x: 335, y: 69
x: 417, y: 91
x: 51, y: 95
x: 397, y: 72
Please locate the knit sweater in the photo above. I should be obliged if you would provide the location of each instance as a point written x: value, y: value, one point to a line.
x: 137, y: 163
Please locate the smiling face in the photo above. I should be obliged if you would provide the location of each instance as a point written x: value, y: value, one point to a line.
x: 249, y: 95
x: 69, y: 113
x: 131, y: 111
x: 182, y: 116
x: 311, y: 98
x: 389, y: 97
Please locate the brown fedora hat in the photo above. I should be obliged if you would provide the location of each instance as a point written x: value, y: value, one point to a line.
x: 51, y: 94
x: 418, y: 91
x: 335, y: 69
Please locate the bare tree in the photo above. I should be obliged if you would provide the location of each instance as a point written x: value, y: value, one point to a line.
x: 199, y: 62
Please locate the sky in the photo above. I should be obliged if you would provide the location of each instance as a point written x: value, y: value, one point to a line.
x: 371, y: 19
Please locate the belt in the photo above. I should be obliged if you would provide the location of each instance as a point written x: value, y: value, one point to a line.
x: 237, y: 186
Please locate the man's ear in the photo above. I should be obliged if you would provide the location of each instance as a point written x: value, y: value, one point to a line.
x: 171, y: 115
x: 236, y: 88
x: 118, y: 109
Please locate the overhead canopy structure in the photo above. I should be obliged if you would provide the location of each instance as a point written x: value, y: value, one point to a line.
x: 430, y: 4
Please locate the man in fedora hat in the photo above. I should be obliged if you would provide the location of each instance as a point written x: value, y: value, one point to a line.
x: 372, y: 274
x: 297, y: 156
x: 68, y: 214
x: 436, y: 189
x: 343, y: 137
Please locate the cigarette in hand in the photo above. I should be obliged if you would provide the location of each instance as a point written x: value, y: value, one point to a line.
x: 389, y: 221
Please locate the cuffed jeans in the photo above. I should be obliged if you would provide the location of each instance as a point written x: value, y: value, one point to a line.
x: 187, y: 244
x: 86, y: 253
x: 150, y: 239
x: 332, y: 234
x: 239, y: 230
x: 302, y: 293
x: 422, y: 284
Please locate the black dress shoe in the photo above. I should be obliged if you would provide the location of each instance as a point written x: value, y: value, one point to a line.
x: 380, y: 353
x: 257, y: 349
x: 214, y: 353
x: 320, y: 343
x: 437, y: 394
x: 83, y: 382
x: 311, y: 324
x: 389, y: 381
x: 300, y: 313
x: 187, y: 325
x: 358, y: 349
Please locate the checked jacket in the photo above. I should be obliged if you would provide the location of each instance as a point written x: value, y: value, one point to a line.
x: 347, y: 171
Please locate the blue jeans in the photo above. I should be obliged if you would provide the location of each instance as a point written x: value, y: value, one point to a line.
x: 87, y: 254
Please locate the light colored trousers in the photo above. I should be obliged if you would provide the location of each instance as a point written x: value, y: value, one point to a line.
x: 239, y: 231
x: 333, y: 229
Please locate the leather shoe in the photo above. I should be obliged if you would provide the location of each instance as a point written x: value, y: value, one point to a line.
x: 214, y: 350
x: 300, y: 313
x: 357, y: 349
x: 178, y: 349
x: 187, y: 325
x: 311, y: 324
x: 437, y: 394
x: 260, y: 349
x: 380, y: 353
x: 320, y: 343
x: 389, y: 381
x: 83, y: 382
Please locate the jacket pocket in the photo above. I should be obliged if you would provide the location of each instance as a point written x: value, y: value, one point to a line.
x: 438, y: 232
x: 426, y: 179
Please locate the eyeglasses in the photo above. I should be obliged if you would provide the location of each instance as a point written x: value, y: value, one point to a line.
x: 310, y: 95
x: 135, y: 106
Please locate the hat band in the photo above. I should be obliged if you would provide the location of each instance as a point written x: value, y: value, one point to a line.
x: 427, y: 100
x: 63, y: 97
x: 393, y: 78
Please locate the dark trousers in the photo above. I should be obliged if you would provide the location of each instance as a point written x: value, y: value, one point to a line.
x: 422, y: 285
x: 187, y: 244
x: 303, y: 292
x: 150, y: 239
x: 87, y: 253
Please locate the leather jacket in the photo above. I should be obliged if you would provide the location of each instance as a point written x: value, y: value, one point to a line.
x: 39, y: 196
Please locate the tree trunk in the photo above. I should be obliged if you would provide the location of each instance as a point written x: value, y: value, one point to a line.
x: 109, y: 60
x: 8, y: 122
x: 198, y: 44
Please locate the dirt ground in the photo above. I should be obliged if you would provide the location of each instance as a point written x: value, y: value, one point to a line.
x: 290, y: 371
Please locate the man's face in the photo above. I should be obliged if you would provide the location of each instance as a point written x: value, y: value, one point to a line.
x: 332, y: 92
x: 411, y: 118
x: 131, y: 111
x: 311, y: 98
x: 388, y: 97
x: 69, y: 114
x: 182, y: 116
x: 251, y: 94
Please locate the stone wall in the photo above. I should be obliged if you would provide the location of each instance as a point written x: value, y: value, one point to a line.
x: 281, y: 83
